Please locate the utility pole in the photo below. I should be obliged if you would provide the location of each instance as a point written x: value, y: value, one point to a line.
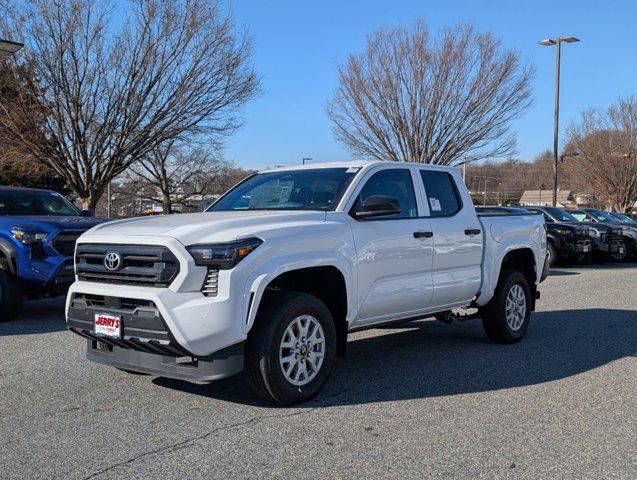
x: 547, y: 42
x: 484, y: 197
x: 108, y: 200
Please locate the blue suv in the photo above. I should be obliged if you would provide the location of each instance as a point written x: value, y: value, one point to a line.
x: 38, y: 230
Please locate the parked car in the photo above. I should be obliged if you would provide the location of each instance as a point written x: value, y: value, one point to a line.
x: 277, y: 272
x: 628, y: 231
x: 38, y: 230
x: 624, y: 218
x: 567, y: 241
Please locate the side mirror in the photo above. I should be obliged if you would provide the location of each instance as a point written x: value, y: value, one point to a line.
x: 378, y: 206
x: 87, y: 213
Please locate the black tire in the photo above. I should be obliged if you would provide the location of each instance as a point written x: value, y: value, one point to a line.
x: 552, y: 254
x: 11, y: 296
x: 262, y: 364
x: 494, y: 318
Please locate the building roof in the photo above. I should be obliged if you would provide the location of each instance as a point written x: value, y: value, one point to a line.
x: 537, y: 197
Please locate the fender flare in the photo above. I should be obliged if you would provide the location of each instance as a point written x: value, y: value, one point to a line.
x: 260, y: 279
x: 551, y: 237
x: 9, y: 251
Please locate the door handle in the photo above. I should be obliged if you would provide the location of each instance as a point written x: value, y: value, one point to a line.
x: 421, y: 234
x: 472, y: 231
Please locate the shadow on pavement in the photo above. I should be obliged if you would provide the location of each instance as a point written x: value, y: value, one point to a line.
x: 37, y: 316
x: 429, y: 359
x: 562, y: 273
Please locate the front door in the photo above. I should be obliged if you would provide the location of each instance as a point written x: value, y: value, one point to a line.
x: 394, y: 254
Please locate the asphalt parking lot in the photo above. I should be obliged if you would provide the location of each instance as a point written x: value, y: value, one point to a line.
x: 422, y: 400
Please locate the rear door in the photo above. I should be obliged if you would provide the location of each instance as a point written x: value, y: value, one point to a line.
x: 457, y: 237
x: 394, y: 254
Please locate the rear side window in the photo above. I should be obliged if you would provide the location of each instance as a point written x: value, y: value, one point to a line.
x: 394, y: 183
x: 442, y: 194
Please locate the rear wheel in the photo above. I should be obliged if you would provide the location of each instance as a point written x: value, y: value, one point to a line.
x: 506, y: 317
x: 11, y: 296
x: 291, y: 350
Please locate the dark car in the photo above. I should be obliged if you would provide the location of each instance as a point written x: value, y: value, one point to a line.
x: 38, y: 230
x: 567, y: 241
x: 611, y: 241
x: 629, y: 231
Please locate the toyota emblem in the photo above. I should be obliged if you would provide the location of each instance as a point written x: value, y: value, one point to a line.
x: 112, y: 261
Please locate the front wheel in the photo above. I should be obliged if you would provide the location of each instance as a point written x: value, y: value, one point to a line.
x: 506, y: 317
x: 291, y: 350
x: 552, y: 254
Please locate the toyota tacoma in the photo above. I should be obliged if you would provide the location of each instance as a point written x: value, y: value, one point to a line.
x: 38, y: 230
x: 277, y: 272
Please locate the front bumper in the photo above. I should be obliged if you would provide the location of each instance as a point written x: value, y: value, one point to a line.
x: 222, y: 364
x: 577, y: 247
x: 606, y: 247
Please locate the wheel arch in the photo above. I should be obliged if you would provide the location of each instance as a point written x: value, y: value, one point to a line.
x: 326, y: 281
x: 8, y: 256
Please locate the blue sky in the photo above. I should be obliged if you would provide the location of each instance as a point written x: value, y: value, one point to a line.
x: 297, y: 45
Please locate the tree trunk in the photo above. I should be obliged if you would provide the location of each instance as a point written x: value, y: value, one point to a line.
x: 167, y: 203
x: 88, y: 203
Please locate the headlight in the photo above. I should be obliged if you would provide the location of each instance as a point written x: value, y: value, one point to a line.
x: 28, y: 238
x: 629, y: 232
x: 593, y: 232
x: 223, y: 255
x: 563, y: 231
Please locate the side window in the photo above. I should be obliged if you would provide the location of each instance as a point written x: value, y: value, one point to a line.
x: 547, y: 219
x: 395, y: 183
x: 442, y: 194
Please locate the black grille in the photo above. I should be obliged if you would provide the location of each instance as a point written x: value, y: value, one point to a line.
x: 143, y: 327
x: 147, y: 265
x: 64, y: 242
x: 582, y: 234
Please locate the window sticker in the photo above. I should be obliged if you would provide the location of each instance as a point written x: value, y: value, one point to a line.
x: 435, y: 204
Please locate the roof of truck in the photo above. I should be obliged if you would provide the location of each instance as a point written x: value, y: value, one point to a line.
x: 352, y: 163
x: 23, y: 189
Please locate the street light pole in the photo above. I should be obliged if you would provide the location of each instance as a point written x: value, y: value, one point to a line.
x: 547, y: 42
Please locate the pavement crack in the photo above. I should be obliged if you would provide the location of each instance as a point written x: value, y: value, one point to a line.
x: 191, y: 441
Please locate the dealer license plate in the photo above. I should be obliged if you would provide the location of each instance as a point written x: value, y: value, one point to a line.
x: 108, y: 325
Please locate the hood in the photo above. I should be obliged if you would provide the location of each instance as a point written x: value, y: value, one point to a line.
x: 565, y: 226
x: 204, y: 227
x: 53, y: 223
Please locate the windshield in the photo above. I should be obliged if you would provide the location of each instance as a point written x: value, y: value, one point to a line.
x: 560, y: 215
x: 32, y: 202
x: 622, y: 217
x: 579, y: 216
x: 601, y: 216
x: 306, y: 189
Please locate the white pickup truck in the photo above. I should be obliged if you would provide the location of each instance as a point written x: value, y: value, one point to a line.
x: 273, y: 276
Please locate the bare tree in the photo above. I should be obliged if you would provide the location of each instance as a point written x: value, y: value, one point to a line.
x: 442, y: 100
x: 607, y: 163
x: 175, y: 67
x: 180, y: 176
